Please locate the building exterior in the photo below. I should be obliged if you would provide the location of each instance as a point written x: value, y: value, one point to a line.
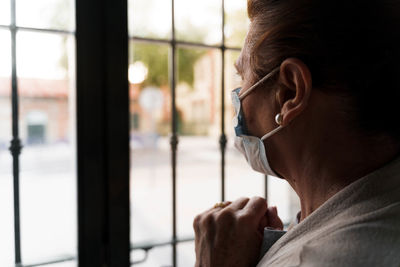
x: 44, y: 111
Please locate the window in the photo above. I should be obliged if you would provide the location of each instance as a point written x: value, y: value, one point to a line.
x: 180, y: 72
x: 37, y: 110
x: 182, y: 155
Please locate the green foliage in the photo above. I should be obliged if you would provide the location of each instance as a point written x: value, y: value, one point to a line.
x: 186, y: 62
x: 156, y: 59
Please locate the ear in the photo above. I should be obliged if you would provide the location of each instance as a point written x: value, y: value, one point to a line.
x: 295, y: 90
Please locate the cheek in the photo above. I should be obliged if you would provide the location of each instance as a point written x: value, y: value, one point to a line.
x: 259, y: 115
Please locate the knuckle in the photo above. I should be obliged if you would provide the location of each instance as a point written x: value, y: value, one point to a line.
x: 259, y: 199
x: 225, y: 216
x: 243, y: 199
x: 196, y: 222
x: 206, y: 221
x: 244, y: 219
x: 258, y: 204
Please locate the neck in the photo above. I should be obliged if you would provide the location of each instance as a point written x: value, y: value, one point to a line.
x: 321, y: 173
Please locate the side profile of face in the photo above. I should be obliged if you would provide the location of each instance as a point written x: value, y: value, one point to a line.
x: 259, y: 107
x: 289, y: 96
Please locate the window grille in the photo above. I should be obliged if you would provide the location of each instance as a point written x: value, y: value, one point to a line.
x: 174, y: 43
x: 35, y: 132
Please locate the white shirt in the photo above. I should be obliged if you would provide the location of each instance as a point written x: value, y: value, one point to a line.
x: 358, y: 226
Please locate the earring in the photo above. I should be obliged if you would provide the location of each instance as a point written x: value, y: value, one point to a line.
x: 279, y: 119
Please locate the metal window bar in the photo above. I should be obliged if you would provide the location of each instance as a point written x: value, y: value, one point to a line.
x: 16, y: 147
x: 15, y: 144
x: 174, y: 141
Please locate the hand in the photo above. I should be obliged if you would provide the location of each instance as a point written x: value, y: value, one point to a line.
x: 232, y: 235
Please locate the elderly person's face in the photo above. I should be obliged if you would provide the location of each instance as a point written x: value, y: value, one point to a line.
x: 288, y: 97
x: 259, y: 107
x: 306, y: 113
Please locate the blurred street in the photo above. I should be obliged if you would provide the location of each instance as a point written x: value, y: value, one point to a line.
x: 48, y: 197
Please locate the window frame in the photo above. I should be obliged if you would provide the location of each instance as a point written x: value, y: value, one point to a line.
x: 102, y: 144
x: 102, y: 102
x: 102, y: 133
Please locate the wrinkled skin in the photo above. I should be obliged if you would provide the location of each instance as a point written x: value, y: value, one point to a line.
x: 232, y: 235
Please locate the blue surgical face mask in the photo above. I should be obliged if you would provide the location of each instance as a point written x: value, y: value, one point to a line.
x: 252, y: 147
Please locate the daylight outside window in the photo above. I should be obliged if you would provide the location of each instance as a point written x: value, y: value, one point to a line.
x: 37, y: 107
x: 181, y: 56
x: 197, y: 42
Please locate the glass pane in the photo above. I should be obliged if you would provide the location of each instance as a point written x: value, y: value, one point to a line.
x: 6, y: 177
x: 158, y: 256
x: 150, y: 18
x: 199, y: 21
x: 280, y: 194
x: 47, y: 130
x: 199, y: 126
x: 52, y: 14
x: 237, y: 22
x: 5, y: 12
x: 5, y: 62
x: 186, y: 254
x: 149, y: 142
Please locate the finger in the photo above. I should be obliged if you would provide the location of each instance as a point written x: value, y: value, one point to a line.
x: 263, y: 223
x: 239, y: 203
x: 256, y: 208
x: 196, y: 224
x: 273, y: 219
x: 198, y: 220
x: 208, y: 212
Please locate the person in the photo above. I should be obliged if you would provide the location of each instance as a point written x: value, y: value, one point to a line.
x: 318, y: 107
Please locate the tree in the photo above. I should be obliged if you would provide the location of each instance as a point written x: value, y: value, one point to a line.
x: 156, y: 59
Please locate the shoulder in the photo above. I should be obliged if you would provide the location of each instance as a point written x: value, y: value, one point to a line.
x: 368, y: 244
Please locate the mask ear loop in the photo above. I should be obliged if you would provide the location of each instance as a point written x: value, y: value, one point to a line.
x: 271, y: 133
x: 266, y: 77
x: 278, y: 120
x: 248, y: 91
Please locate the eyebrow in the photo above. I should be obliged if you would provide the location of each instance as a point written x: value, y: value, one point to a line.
x: 238, y: 66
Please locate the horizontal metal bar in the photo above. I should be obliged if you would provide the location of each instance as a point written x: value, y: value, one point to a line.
x: 11, y: 27
x: 65, y: 259
x: 181, y: 43
x: 46, y: 30
x: 148, y: 245
x: 150, y: 40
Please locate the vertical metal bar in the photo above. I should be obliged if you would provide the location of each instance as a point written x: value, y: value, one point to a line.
x: 266, y: 187
x: 15, y: 147
x: 174, y: 138
x: 223, y: 139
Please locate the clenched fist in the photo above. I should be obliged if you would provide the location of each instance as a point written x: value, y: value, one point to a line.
x: 231, y: 235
